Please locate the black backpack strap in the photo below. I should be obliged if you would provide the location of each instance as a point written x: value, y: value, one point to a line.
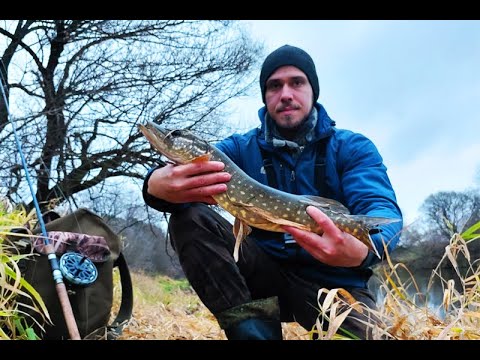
x: 126, y: 307
x: 268, y: 166
x: 320, y: 167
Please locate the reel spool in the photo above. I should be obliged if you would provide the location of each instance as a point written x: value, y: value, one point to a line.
x: 78, y: 269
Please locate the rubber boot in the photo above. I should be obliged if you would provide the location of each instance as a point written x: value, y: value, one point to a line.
x: 255, y: 329
x: 256, y: 320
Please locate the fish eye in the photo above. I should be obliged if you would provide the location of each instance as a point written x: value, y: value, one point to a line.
x: 173, y: 134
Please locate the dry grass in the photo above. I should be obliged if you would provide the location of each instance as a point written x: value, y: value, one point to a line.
x: 403, y: 313
x: 409, y: 317
x: 165, y: 309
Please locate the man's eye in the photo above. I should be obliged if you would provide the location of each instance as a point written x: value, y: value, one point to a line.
x: 298, y: 82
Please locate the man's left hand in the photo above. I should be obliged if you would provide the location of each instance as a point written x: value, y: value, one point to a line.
x: 334, y: 247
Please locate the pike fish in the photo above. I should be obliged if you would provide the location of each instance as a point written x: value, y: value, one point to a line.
x: 254, y: 204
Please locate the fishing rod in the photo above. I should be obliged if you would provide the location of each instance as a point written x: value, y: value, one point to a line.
x: 50, y: 251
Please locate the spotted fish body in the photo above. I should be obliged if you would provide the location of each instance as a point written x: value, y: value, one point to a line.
x: 255, y: 204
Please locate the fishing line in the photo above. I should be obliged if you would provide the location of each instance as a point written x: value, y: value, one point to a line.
x: 56, y: 273
x: 58, y: 191
x: 24, y: 164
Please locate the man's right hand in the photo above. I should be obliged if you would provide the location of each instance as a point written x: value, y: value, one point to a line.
x: 193, y: 182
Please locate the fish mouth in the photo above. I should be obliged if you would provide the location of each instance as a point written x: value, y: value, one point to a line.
x: 156, y: 136
x: 164, y: 141
x: 154, y: 128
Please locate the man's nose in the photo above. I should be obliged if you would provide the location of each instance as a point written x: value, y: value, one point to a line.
x: 287, y: 92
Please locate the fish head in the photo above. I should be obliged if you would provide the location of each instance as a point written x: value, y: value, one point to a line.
x: 180, y: 146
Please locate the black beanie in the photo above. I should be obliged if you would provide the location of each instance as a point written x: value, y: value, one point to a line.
x: 289, y: 55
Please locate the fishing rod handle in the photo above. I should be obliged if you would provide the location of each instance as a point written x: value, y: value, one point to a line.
x: 67, y: 311
x: 62, y: 294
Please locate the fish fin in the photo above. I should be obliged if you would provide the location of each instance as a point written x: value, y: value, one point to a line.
x: 204, y: 157
x: 238, y: 204
x: 240, y: 230
x: 373, y: 221
x: 371, y: 244
x: 327, y: 204
x: 265, y: 215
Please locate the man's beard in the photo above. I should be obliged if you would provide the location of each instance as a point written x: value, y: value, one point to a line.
x: 295, y: 132
x: 290, y: 126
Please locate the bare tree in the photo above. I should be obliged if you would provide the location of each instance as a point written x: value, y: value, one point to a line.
x: 448, y: 212
x: 78, y: 89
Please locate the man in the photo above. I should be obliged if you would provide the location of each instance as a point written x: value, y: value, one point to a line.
x: 298, y: 150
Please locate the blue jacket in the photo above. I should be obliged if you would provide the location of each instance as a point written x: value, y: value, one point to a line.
x: 355, y: 176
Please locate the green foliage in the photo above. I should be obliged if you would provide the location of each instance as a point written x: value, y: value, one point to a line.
x: 165, y: 290
x: 171, y: 285
x: 472, y: 233
x: 13, y: 287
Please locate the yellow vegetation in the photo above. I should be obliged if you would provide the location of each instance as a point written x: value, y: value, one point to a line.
x: 166, y: 309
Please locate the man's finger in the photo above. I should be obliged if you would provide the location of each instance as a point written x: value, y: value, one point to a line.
x: 294, y: 231
x: 206, y: 191
x: 199, y: 168
x: 201, y: 181
x: 323, y: 220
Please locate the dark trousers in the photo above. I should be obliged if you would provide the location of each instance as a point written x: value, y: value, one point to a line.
x: 204, y: 242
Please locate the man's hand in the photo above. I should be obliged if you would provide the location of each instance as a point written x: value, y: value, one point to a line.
x: 193, y: 182
x: 334, y: 247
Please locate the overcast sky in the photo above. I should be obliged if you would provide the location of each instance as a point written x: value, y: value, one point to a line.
x: 413, y: 87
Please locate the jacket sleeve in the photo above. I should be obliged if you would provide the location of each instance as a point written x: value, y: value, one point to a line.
x: 367, y: 191
x: 229, y: 146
